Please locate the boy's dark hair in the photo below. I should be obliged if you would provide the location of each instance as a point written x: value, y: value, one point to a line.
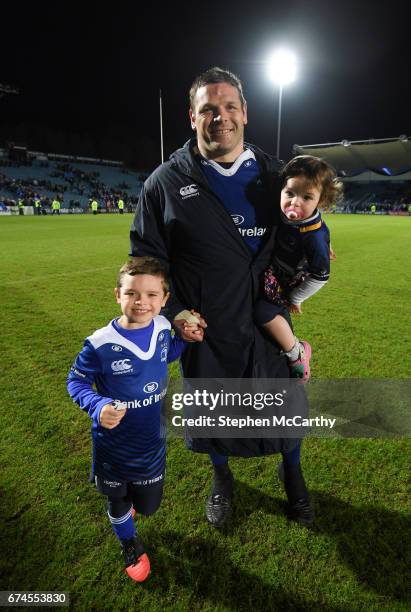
x: 144, y: 265
x: 319, y: 172
x: 216, y: 75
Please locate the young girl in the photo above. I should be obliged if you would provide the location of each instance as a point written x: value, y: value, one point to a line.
x: 301, y: 260
x: 127, y: 362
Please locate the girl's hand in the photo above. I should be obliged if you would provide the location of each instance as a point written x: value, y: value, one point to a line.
x: 295, y: 309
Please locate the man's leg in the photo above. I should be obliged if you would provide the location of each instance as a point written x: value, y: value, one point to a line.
x: 290, y: 473
x: 218, y: 505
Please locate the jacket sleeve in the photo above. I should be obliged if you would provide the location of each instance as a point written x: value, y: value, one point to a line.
x: 147, y: 234
x: 80, y: 382
x: 148, y: 237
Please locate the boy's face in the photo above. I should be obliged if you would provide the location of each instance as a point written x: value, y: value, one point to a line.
x: 299, y: 198
x: 141, y: 297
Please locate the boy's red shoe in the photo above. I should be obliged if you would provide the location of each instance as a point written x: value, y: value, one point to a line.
x: 136, y: 559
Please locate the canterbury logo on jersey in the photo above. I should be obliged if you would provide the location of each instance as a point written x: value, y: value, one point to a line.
x: 189, y: 191
x: 122, y: 365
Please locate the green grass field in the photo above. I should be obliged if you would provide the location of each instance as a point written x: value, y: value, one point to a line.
x: 57, y: 278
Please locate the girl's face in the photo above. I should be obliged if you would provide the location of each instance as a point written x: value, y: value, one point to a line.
x: 299, y: 198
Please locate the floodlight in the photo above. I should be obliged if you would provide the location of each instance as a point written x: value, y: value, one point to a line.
x: 282, y: 67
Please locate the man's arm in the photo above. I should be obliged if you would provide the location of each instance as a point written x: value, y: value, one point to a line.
x: 148, y: 237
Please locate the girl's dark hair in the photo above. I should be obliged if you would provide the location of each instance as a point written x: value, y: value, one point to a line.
x: 319, y: 172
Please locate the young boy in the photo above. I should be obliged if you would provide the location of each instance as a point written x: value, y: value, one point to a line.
x: 301, y: 261
x: 127, y: 363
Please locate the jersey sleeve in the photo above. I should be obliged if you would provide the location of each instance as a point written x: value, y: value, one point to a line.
x: 177, y: 346
x: 81, y: 379
x: 317, y: 253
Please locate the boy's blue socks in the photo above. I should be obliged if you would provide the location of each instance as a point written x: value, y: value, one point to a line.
x: 123, y: 526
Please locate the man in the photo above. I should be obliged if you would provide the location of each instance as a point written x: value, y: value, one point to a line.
x: 189, y: 214
x: 55, y: 206
x: 94, y: 206
x: 37, y: 205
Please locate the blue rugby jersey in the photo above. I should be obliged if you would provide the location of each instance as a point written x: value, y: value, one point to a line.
x: 303, y: 245
x: 120, y: 370
x: 238, y: 188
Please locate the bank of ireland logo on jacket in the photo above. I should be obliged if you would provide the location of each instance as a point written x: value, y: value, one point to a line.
x: 189, y: 191
x: 238, y: 219
x: 150, y: 387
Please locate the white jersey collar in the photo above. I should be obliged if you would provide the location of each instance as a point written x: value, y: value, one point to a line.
x: 247, y: 154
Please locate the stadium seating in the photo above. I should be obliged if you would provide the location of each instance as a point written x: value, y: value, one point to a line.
x: 386, y: 195
x: 75, y: 183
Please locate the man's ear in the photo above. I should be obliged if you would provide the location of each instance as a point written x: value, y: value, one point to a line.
x: 245, y: 112
x: 192, y: 119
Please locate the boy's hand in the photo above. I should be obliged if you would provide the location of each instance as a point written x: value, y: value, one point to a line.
x: 295, y: 308
x: 333, y: 256
x: 190, y: 331
x: 110, y: 417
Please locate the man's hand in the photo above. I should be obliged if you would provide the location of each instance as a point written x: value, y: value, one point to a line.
x: 333, y: 256
x: 110, y: 417
x: 190, y: 332
x: 295, y: 309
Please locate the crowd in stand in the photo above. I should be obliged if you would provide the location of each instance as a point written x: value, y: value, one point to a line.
x: 89, y: 187
x: 392, y: 199
x: 28, y: 191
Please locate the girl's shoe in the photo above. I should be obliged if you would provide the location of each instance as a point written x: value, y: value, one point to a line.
x: 300, y: 368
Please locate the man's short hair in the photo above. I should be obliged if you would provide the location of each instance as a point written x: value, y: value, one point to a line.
x: 144, y: 265
x: 216, y: 75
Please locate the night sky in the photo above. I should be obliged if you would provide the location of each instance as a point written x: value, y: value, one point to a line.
x: 89, y: 74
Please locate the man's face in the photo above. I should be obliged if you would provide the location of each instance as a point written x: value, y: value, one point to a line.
x: 141, y: 297
x: 219, y: 119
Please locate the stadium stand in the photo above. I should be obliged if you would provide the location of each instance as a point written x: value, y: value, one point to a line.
x: 73, y: 181
x: 376, y: 172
